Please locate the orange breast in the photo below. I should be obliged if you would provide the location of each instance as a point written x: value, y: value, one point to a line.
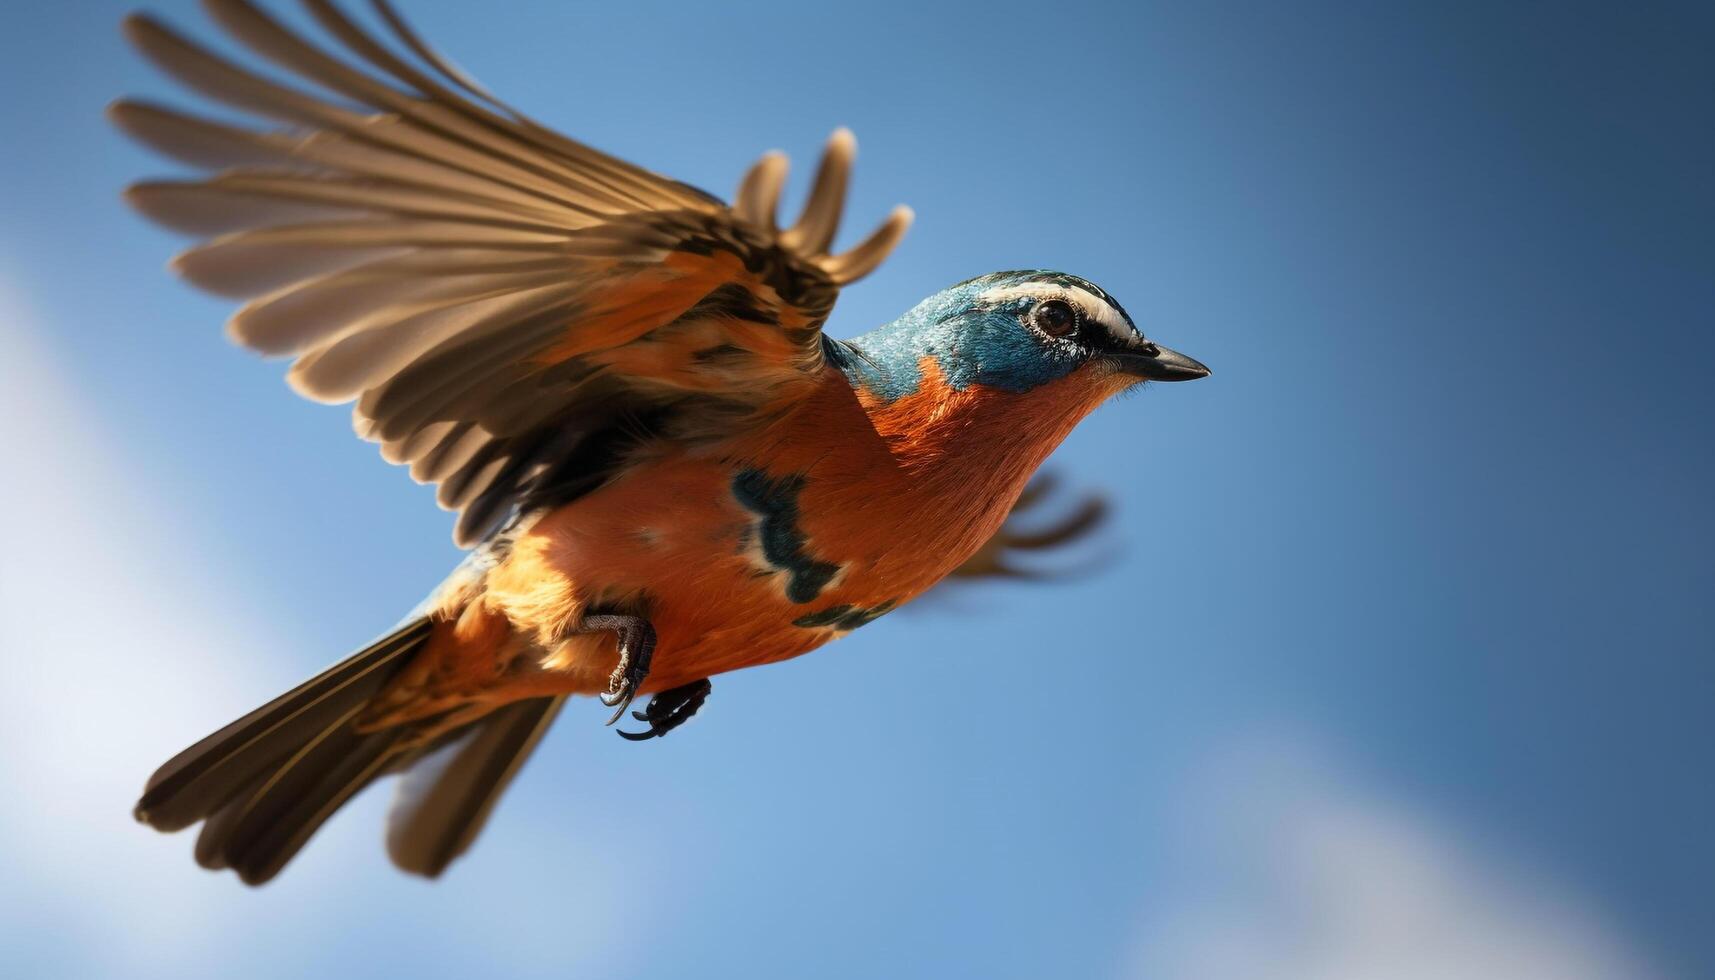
x: 770, y: 544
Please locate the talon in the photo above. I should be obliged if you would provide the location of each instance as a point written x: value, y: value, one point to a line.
x: 623, y: 700
x: 636, y: 649
x: 669, y: 709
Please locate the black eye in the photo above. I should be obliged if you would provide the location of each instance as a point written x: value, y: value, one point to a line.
x: 1054, y: 317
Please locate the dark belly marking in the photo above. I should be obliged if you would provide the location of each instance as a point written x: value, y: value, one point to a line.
x: 781, y: 540
x: 844, y: 618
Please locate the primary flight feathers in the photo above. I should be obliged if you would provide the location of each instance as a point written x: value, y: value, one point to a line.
x: 495, y: 296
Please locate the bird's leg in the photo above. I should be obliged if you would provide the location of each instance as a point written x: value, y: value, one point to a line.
x: 670, y: 709
x: 636, y: 649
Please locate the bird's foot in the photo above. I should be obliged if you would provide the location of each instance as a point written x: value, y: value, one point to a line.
x: 670, y: 709
x: 636, y: 649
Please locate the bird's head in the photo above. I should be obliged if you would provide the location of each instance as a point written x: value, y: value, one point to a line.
x: 1016, y: 332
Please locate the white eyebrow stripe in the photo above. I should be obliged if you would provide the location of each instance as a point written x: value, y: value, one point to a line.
x: 1092, y: 306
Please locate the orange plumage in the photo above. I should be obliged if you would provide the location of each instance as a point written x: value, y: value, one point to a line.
x: 665, y: 468
x: 897, y: 494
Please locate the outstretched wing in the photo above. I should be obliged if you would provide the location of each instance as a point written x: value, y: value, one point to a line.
x: 510, y: 309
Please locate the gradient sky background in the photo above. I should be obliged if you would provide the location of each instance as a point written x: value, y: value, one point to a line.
x: 1404, y: 664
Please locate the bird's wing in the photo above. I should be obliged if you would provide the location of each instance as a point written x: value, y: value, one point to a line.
x: 510, y: 309
x: 1023, y: 534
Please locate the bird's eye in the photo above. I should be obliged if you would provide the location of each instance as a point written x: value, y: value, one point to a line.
x: 1054, y: 317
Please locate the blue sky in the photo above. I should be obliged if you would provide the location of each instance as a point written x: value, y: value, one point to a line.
x: 1404, y: 661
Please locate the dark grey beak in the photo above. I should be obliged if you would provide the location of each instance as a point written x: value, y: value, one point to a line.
x: 1157, y: 363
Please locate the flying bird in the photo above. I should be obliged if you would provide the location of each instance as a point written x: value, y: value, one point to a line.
x: 663, y: 467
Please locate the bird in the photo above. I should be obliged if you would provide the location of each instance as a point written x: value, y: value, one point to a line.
x: 663, y: 468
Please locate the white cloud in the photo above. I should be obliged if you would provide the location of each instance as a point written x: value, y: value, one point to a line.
x: 114, y: 651
x: 118, y: 650
x: 1294, y: 870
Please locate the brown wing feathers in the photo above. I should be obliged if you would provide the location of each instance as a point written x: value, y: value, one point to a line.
x: 476, y: 281
x: 758, y: 199
x: 1012, y: 540
x: 509, y: 308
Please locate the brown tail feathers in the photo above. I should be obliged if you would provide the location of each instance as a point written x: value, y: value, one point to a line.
x: 263, y: 784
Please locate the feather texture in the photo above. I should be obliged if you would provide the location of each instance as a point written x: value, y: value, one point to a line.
x: 197, y: 781
x: 474, y: 280
x: 446, y: 798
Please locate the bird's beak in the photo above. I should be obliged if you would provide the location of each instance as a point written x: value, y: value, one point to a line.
x: 1157, y: 363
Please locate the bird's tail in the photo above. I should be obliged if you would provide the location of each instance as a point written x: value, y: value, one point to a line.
x: 263, y: 784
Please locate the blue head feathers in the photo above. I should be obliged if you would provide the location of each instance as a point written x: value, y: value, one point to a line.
x: 1008, y: 330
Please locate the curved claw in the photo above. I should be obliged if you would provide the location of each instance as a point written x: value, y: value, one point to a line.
x: 636, y: 649
x: 622, y: 699
x: 669, y: 709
